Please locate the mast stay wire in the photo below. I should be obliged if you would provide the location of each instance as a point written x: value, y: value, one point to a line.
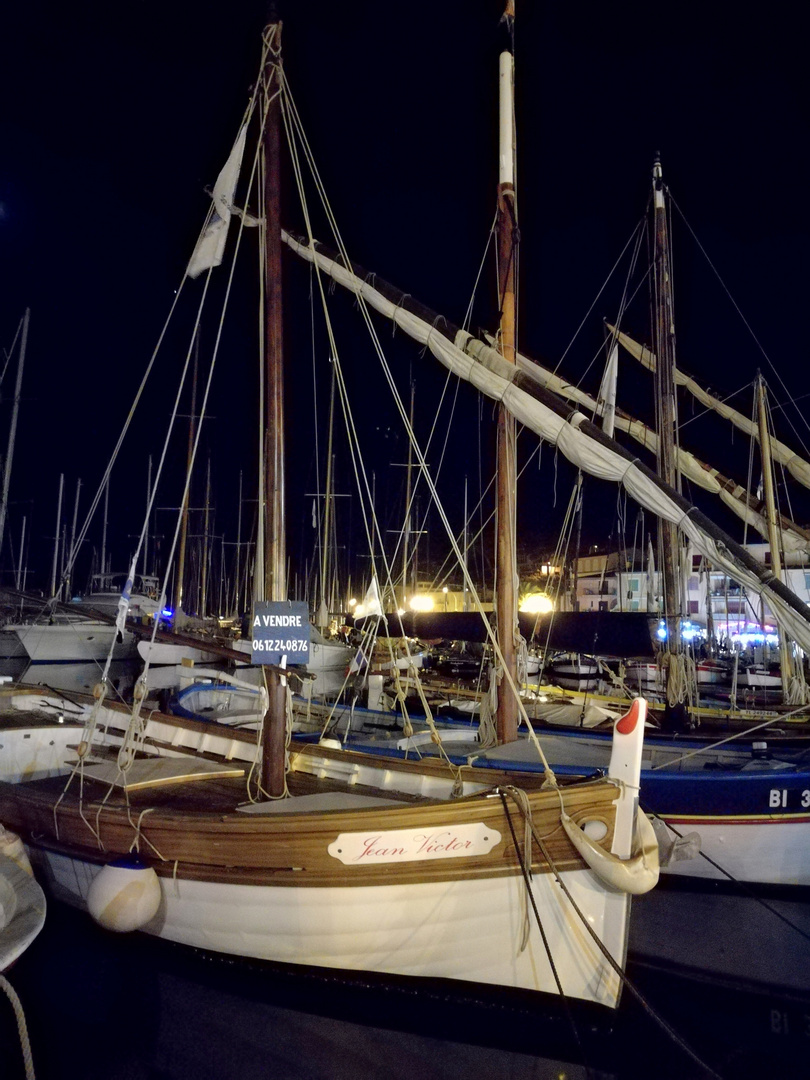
x: 747, y: 325
x: 411, y: 435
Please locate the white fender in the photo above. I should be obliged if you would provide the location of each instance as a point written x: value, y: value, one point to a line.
x: 12, y: 847
x: 124, y: 895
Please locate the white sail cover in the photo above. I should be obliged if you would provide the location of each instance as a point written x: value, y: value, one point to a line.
x: 796, y: 465
x: 689, y: 466
x: 480, y: 364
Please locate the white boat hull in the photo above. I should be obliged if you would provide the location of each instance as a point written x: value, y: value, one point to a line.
x: 712, y: 675
x: 74, y: 641
x: 757, y: 679
x: 329, y: 657
x: 467, y: 930
x: 167, y: 652
x: 756, y: 852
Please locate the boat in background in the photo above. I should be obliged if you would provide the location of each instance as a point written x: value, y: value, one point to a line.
x: 69, y: 639
x: 106, y: 590
x: 574, y: 672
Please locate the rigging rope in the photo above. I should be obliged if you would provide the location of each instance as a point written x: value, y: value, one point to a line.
x: 22, y: 1026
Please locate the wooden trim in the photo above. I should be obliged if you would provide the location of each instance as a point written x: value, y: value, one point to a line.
x: 291, y: 849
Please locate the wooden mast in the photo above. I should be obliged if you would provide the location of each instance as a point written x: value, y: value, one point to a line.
x: 406, y: 534
x: 675, y: 715
x: 506, y: 717
x: 774, y: 538
x: 275, y: 555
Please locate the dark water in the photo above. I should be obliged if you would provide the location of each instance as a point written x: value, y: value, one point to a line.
x: 108, y: 1007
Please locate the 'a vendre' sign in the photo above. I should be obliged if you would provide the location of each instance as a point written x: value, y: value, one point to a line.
x: 280, y: 628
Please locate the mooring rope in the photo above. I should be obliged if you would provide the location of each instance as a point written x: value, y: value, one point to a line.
x: 22, y: 1027
x: 624, y: 979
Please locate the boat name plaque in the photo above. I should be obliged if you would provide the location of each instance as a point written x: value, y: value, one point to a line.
x: 280, y: 628
x: 409, y: 845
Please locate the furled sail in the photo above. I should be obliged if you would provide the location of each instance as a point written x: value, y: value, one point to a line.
x: 796, y: 465
x: 733, y: 495
x: 581, y: 441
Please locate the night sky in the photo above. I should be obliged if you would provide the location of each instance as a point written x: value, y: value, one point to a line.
x: 115, y: 118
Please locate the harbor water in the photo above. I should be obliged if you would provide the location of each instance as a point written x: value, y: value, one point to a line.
x: 101, y: 1006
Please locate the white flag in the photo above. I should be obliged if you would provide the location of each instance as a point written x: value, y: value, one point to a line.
x: 211, y: 245
x: 372, y: 601
x: 607, y: 393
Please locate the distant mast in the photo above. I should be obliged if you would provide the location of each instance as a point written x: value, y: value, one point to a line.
x: 666, y: 409
x: 774, y: 534
x: 275, y: 554
x: 505, y: 548
x: 12, y: 431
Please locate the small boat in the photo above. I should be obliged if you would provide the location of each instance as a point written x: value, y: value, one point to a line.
x: 574, y: 672
x: 400, y: 877
x: 65, y: 639
x: 759, y: 677
x: 215, y: 695
x: 643, y: 675
x: 713, y: 672
x: 104, y: 595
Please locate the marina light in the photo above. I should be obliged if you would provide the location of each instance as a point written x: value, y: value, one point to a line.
x: 359, y: 609
x: 537, y: 604
x: 422, y: 603
x: 353, y: 602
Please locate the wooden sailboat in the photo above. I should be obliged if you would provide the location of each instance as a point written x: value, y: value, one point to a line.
x: 337, y: 860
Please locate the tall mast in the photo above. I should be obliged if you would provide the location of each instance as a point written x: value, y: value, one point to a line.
x: 104, y: 529
x: 203, y: 612
x: 19, y: 583
x: 181, y: 556
x: 72, y: 554
x: 12, y: 431
x: 57, y: 534
x: 275, y: 555
x: 774, y: 538
x: 506, y: 717
x: 323, y: 607
x: 664, y: 328
x: 237, y: 582
x: 406, y: 535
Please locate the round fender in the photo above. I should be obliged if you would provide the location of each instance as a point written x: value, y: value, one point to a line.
x: 124, y: 895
